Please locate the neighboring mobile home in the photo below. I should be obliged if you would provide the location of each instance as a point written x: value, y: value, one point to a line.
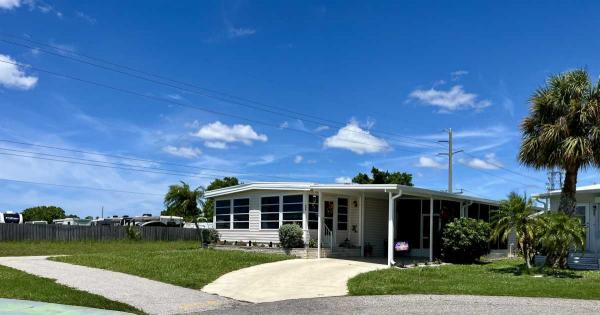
x: 346, y: 215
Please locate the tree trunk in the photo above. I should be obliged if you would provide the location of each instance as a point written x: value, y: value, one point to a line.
x: 567, y: 196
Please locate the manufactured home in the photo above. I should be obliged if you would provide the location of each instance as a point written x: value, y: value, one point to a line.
x: 360, y: 218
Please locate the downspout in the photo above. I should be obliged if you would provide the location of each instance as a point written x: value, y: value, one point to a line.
x: 391, y: 213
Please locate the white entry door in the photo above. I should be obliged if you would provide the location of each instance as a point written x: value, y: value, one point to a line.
x: 589, y: 218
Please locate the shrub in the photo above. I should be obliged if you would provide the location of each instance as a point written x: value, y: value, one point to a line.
x: 211, y: 236
x: 290, y: 236
x: 465, y: 240
x: 133, y: 233
x: 560, y: 233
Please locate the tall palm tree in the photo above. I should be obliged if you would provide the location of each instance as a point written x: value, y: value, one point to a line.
x: 181, y: 200
x: 516, y: 214
x: 563, y: 130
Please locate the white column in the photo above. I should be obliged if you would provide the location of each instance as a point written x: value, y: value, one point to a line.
x: 306, y: 234
x: 390, y: 229
x: 431, y: 228
x: 361, y: 220
x: 319, y: 224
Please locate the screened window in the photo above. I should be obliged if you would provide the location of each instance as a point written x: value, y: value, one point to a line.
x: 241, y: 213
x: 223, y: 214
x: 269, y: 212
x: 292, y: 209
x: 342, y: 224
x: 313, y: 212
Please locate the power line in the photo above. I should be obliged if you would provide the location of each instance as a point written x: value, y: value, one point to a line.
x: 502, y: 167
x: 224, y: 97
x: 78, y: 187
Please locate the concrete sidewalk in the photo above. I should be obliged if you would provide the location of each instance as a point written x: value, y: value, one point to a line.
x: 290, y: 279
x: 150, y: 296
x: 23, y: 307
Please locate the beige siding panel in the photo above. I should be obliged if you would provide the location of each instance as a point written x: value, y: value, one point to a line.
x: 352, y: 221
x: 245, y: 236
x: 376, y: 213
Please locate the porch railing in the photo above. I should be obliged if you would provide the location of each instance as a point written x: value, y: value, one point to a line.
x: 327, y: 237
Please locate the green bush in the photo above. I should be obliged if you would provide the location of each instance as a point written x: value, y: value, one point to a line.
x: 133, y: 233
x: 211, y: 236
x: 559, y: 234
x: 465, y: 240
x: 290, y: 236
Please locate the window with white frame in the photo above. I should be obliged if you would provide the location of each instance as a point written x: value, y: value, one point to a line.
x: 342, y: 223
x: 241, y: 213
x: 313, y: 212
x: 292, y: 209
x: 223, y: 214
x: 269, y: 212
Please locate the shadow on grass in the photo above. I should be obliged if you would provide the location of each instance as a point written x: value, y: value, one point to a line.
x: 521, y: 270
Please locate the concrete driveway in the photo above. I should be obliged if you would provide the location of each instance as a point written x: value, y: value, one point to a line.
x: 290, y: 279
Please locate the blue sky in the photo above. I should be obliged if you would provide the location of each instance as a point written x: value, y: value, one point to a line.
x: 379, y: 81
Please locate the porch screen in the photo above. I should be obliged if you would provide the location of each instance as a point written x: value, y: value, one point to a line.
x: 342, y: 214
x: 269, y: 212
x: 292, y: 209
x: 241, y: 210
x: 313, y: 212
x: 223, y: 214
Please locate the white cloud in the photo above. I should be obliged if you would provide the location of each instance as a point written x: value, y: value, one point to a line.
x: 321, y: 128
x: 185, y: 152
x: 489, y: 163
x: 265, y: 159
x: 428, y: 162
x: 9, y: 4
x: 85, y: 17
x: 217, y: 135
x: 458, y: 74
x: 240, y: 32
x: 454, y: 99
x: 352, y: 137
x: 12, y: 76
x: 298, y: 159
x: 343, y: 180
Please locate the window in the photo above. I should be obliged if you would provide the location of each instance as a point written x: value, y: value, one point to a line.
x: 223, y: 214
x: 269, y: 212
x: 292, y: 209
x: 328, y: 215
x: 313, y: 212
x: 241, y: 213
x: 342, y: 224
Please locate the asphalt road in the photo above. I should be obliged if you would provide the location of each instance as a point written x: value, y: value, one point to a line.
x: 419, y: 304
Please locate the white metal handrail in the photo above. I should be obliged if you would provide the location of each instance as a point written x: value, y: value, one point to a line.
x: 328, y: 236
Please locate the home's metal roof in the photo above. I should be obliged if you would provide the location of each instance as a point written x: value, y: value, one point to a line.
x: 583, y: 189
x: 383, y: 188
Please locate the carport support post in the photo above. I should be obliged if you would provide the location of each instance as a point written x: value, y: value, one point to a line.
x: 319, y: 223
x: 431, y: 228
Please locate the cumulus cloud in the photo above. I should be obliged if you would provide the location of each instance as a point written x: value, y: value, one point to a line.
x: 352, y: 137
x: 217, y: 135
x: 451, y: 100
x: 9, y: 4
x: 184, y: 152
x: 428, y: 162
x: 298, y: 159
x: 490, y: 162
x: 13, y: 76
x: 343, y: 180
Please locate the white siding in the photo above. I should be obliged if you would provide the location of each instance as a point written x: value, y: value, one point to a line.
x: 376, y: 213
x: 353, y: 221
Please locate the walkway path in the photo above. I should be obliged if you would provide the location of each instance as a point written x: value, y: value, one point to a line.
x: 422, y: 304
x: 290, y: 279
x: 150, y: 296
x: 22, y: 307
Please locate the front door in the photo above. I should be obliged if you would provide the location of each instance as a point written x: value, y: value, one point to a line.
x: 329, y: 213
x: 437, y: 226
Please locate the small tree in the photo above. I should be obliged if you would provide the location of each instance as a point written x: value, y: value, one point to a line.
x: 465, y: 240
x: 560, y: 233
x: 290, y: 236
x: 386, y: 177
x: 516, y: 214
x: 182, y: 201
x: 43, y: 213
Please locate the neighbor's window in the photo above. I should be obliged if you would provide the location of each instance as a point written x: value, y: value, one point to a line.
x: 269, y: 212
x: 292, y: 209
x: 241, y: 210
x: 223, y: 214
x: 313, y: 212
x: 342, y: 214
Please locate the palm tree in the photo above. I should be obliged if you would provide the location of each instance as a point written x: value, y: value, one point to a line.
x: 182, y: 201
x: 516, y: 214
x: 560, y: 233
x: 563, y: 130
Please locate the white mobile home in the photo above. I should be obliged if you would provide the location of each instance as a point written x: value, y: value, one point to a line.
x: 346, y: 216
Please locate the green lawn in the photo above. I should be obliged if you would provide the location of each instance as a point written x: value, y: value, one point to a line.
x: 15, y: 284
x: 192, y: 268
x: 494, y: 278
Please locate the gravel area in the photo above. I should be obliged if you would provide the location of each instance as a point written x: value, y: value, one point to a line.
x: 421, y: 304
x: 150, y: 296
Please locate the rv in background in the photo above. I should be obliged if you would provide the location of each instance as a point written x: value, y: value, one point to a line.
x: 36, y: 222
x: 115, y: 220
x: 72, y: 221
x: 162, y: 220
x: 11, y: 217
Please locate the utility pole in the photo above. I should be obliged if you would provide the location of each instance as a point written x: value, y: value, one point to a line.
x: 102, y: 212
x: 450, y: 155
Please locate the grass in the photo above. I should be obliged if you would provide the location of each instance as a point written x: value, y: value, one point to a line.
x: 500, y: 278
x: 42, y: 248
x: 191, y: 268
x: 15, y: 284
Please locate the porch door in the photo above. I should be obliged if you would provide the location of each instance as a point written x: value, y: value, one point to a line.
x: 589, y: 216
x: 329, y: 213
x: 437, y: 226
